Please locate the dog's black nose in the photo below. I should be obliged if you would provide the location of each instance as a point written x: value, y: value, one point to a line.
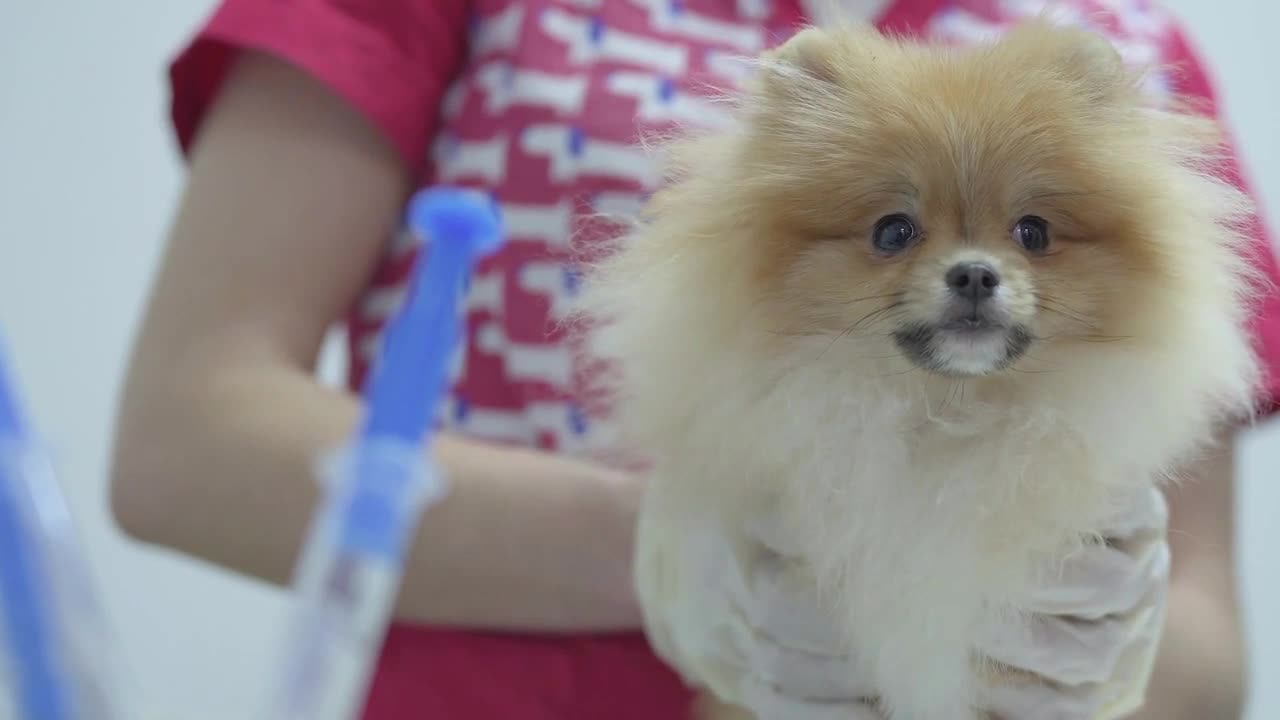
x: 973, y: 280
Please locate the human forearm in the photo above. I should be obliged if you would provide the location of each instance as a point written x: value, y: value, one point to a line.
x: 222, y: 468
x: 291, y: 198
x: 1201, y: 667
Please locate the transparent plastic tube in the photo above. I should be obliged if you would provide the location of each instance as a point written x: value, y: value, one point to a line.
x: 58, y: 660
x: 376, y: 487
x: 348, y: 575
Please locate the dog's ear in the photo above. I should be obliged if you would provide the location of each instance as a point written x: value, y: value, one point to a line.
x: 1082, y: 57
x: 1093, y: 62
x: 808, y: 55
x: 816, y: 61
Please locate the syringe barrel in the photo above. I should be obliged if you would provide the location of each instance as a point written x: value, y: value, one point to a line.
x: 349, y: 575
x: 65, y: 666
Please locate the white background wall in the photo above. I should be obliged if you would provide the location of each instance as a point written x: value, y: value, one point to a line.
x: 88, y: 181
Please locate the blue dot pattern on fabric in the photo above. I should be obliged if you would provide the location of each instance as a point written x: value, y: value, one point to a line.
x: 666, y: 90
x: 577, y: 141
x: 577, y: 420
x: 595, y: 31
x: 460, y: 410
x: 571, y: 280
x: 676, y: 7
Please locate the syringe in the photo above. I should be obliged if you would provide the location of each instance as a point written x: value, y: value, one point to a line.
x: 57, y: 660
x: 376, y: 487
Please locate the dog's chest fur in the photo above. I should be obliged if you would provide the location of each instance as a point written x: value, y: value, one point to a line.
x: 926, y: 516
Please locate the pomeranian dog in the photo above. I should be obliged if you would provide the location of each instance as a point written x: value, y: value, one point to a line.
x: 943, y: 310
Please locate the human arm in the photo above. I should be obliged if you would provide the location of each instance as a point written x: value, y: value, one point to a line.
x: 1200, y: 670
x: 290, y: 198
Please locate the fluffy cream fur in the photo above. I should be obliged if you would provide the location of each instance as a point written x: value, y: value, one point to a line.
x: 748, y: 323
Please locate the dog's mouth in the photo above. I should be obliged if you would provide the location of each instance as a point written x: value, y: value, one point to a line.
x: 971, y: 326
x: 967, y: 346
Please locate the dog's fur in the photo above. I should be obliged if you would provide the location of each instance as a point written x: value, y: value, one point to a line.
x: 750, y: 327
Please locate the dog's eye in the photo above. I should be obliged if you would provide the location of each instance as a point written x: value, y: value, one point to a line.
x: 893, y: 234
x: 1032, y: 233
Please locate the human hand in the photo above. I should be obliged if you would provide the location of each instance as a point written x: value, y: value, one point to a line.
x: 749, y: 625
x: 1089, y: 651
x: 736, y: 614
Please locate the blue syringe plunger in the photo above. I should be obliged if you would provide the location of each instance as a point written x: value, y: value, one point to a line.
x: 449, y: 215
x: 458, y: 227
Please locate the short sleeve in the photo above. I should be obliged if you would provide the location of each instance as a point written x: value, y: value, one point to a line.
x: 392, y: 60
x: 1191, y: 79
